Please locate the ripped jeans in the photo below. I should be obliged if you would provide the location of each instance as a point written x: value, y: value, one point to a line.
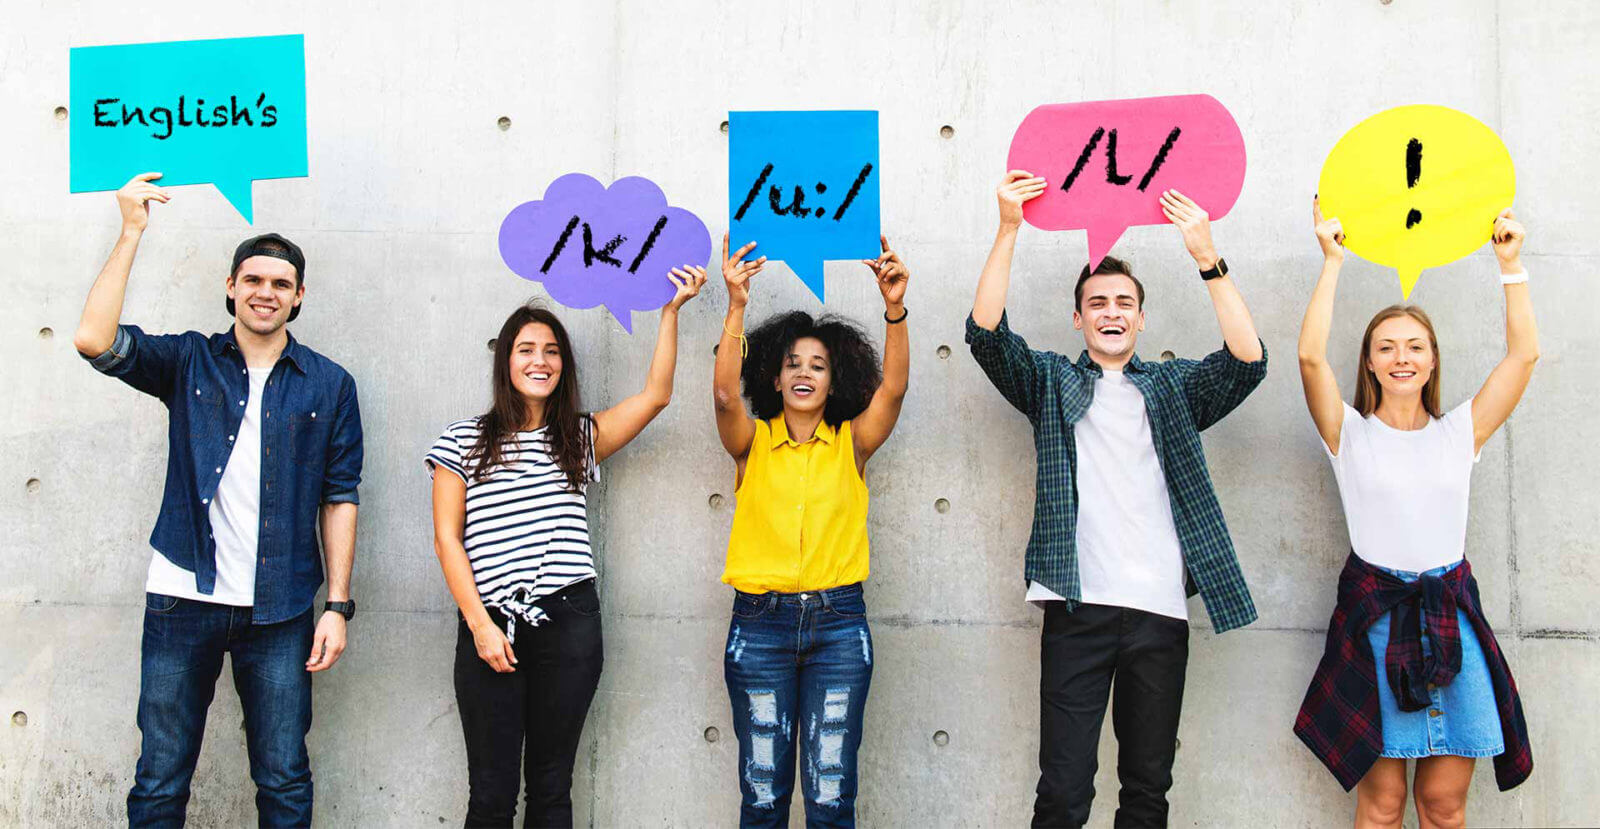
x: 798, y: 667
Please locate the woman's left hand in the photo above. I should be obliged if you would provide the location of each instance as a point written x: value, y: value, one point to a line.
x: 891, y: 273
x: 688, y: 278
x: 1507, y: 238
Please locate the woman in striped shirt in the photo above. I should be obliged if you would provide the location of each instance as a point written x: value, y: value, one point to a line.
x: 511, y: 531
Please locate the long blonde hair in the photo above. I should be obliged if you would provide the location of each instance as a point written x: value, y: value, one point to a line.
x: 1368, y: 392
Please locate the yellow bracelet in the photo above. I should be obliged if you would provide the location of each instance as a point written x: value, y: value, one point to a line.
x: 744, y: 342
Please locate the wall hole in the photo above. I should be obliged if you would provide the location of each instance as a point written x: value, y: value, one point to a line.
x: 724, y: 128
x: 1167, y: 355
x: 944, y: 352
x: 942, y: 505
x: 941, y: 738
x: 491, y: 345
x: 61, y: 113
x: 504, y: 123
x: 46, y: 333
x: 19, y: 718
x: 712, y: 734
x: 1176, y: 744
x: 715, y: 501
x: 34, y: 485
x: 947, y: 131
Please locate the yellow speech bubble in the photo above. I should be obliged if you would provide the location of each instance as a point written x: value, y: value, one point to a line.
x: 1417, y: 187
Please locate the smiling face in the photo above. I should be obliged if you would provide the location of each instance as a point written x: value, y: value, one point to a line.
x: 264, y: 290
x: 1401, y: 356
x: 805, y: 376
x: 1109, y: 316
x: 535, y: 362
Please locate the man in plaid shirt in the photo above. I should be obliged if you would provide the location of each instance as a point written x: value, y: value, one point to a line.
x: 1125, y: 517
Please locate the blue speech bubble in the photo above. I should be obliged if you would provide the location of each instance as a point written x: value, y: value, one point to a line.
x: 224, y: 112
x: 804, y: 185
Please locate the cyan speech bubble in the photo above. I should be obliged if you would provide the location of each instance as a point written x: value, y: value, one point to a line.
x: 804, y: 186
x: 592, y: 245
x: 1106, y: 162
x: 223, y: 112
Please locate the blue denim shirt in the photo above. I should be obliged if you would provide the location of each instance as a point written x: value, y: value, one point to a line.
x: 310, y: 453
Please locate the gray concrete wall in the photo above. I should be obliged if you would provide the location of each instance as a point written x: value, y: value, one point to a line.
x: 410, y: 177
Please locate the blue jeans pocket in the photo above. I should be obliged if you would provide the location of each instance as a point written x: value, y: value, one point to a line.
x: 160, y: 603
x: 747, y: 606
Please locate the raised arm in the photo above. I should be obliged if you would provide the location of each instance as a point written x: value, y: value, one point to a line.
x: 1017, y: 187
x: 873, y: 426
x: 1316, y: 375
x: 97, y: 328
x: 1238, y: 330
x: 734, y: 424
x: 1501, y: 392
x: 623, y: 422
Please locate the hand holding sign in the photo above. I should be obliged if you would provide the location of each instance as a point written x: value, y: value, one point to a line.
x: 806, y: 185
x: 1415, y: 187
x: 1108, y: 161
x: 224, y: 112
x: 592, y: 245
x: 133, y: 200
x: 737, y: 273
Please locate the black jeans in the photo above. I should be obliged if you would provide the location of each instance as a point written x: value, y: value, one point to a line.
x: 543, y: 703
x: 1080, y: 653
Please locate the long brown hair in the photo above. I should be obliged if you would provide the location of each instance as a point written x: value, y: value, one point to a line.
x: 1368, y: 392
x: 508, y: 413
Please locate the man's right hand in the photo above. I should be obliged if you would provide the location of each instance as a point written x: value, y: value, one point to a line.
x: 1017, y: 187
x: 134, y: 198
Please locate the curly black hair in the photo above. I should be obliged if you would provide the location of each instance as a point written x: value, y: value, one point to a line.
x: 851, y: 357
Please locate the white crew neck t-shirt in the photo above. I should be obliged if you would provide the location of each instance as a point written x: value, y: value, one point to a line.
x: 1128, y: 551
x: 1405, y: 492
x: 235, y: 518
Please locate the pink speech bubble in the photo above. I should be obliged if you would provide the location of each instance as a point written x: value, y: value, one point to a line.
x: 1107, y: 162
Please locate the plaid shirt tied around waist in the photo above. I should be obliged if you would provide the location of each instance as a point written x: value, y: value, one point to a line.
x: 1339, y: 719
x: 1182, y: 398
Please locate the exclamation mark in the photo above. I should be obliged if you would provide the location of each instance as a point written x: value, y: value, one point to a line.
x: 1413, y: 172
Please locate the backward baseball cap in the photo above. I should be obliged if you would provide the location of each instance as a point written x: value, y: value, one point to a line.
x: 277, y: 247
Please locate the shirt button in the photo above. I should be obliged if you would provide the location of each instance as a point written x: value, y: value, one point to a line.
x: 205, y: 500
x: 230, y: 438
x: 219, y: 470
x: 1434, y: 712
x: 241, y: 402
x: 799, y: 506
x: 196, y: 392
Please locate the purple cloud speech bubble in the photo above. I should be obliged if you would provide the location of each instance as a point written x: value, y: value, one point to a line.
x: 593, y: 245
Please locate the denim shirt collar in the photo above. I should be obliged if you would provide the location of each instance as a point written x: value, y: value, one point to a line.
x: 291, y: 350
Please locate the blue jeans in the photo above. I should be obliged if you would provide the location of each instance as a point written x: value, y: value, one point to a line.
x: 181, y: 658
x: 798, y: 662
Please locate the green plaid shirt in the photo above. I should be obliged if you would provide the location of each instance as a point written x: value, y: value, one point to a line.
x: 1182, y: 398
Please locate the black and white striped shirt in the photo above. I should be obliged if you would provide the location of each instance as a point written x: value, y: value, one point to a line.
x: 526, y: 532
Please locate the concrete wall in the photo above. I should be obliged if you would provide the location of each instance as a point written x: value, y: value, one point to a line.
x: 410, y: 177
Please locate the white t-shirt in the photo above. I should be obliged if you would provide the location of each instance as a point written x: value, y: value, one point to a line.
x: 1405, y: 492
x: 527, y: 531
x: 235, y: 518
x: 1128, y: 551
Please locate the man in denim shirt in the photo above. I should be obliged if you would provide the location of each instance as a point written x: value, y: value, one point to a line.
x: 264, y: 449
x: 1125, y: 516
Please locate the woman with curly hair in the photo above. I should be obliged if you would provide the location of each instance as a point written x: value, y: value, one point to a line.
x: 511, y: 529
x: 799, y: 654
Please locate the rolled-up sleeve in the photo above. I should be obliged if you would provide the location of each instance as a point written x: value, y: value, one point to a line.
x: 1016, y: 370
x: 147, y: 362
x: 342, y: 476
x: 1217, y: 384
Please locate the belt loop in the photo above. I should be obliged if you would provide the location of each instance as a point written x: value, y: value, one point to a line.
x: 827, y: 598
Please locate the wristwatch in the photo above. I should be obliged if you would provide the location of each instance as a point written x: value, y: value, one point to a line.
x: 347, y: 609
x: 1216, y: 271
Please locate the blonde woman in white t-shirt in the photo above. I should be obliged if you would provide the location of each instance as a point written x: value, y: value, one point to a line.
x: 1403, y: 465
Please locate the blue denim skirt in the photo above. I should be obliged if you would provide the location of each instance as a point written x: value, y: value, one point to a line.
x: 1462, y: 719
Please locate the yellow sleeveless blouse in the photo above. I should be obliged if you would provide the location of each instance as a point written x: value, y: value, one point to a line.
x: 800, y: 515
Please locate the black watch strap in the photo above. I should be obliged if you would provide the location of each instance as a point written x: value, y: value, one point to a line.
x: 347, y: 609
x: 1216, y: 271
